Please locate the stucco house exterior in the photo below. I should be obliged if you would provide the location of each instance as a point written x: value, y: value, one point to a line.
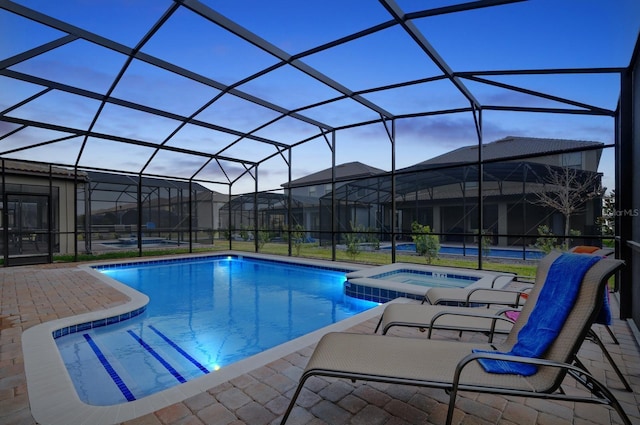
x: 37, y: 211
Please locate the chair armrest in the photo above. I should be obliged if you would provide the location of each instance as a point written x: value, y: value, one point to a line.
x: 473, y: 357
x: 599, y: 392
x: 493, y: 316
x: 515, y: 278
x: 506, y: 309
x: 515, y: 301
x: 511, y: 276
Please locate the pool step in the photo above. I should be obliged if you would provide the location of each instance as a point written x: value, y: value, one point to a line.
x: 137, y: 363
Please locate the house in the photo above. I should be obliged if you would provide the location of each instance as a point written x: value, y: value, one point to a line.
x: 309, y: 190
x: 515, y: 170
x: 38, y: 211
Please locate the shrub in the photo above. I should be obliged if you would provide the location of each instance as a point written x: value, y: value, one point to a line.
x: 353, y: 240
x: 264, y: 236
x: 427, y: 244
x: 297, y: 238
x: 546, y: 241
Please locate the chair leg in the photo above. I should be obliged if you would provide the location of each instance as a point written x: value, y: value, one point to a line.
x: 379, y: 323
x: 294, y: 397
x: 591, y: 335
x: 612, y: 335
x: 601, y: 392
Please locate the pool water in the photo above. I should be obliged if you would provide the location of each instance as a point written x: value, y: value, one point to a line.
x: 473, y: 251
x: 430, y: 280
x: 202, y: 316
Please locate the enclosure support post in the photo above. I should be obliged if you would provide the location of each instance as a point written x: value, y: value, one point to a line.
x: 394, y: 220
x: 5, y: 216
x: 480, y: 197
x: 75, y: 216
x: 255, y: 211
x: 289, y: 207
x: 190, y: 226
x: 88, y: 221
x: 231, y: 218
x: 139, y: 203
x: 624, y: 192
x: 334, y: 239
x: 50, y: 218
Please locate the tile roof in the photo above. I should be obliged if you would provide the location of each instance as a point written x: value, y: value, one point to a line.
x: 348, y: 170
x: 36, y: 168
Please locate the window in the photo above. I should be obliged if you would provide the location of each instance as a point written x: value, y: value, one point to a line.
x: 572, y: 159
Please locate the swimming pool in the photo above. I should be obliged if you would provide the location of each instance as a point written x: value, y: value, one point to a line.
x: 132, y: 242
x: 204, y: 314
x: 530, y: 254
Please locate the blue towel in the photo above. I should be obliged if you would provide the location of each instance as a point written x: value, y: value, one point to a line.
x: 547, y: 318
x: 604, y: 316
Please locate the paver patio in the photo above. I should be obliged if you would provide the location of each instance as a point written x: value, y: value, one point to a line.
x: 35, y: 294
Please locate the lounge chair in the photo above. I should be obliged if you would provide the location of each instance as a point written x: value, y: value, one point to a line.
x: 505, y: 290
x: 505, y: 297
x: 477, y: 296
x: 464, y: 319
x: 454, y: 366
x: 490, y: 321
x: 430, y: 317
x: 492, y: 296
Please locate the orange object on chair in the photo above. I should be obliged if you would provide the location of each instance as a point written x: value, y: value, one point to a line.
x: 584, y: 249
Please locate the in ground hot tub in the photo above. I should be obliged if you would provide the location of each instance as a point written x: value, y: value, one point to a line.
x: 385, y: 283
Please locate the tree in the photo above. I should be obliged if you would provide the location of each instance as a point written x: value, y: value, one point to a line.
x: 567, y: 190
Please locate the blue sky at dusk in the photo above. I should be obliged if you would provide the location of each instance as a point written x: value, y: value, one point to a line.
x: 535, y: 34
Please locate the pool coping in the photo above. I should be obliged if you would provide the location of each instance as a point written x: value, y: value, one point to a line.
x: 53, y: 397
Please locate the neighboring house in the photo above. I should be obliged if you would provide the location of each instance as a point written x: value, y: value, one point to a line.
x: 304, y: 195
x: 553, y: 151
x: 318, y: 184
x: 309, y: 190
x: 37, y: 211
x: 443, y: 191
x: 164, y: 213
x: 511, y: 179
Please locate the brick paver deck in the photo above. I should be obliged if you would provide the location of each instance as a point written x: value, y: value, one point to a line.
x: 34, y: 294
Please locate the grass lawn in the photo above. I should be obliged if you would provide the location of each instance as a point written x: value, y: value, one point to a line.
x: 312, y: 250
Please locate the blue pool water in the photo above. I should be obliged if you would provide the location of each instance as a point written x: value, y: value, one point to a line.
x: 472, y: 251
x: 203, y: 314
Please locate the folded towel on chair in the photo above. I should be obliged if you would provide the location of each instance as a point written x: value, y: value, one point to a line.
x: 584, y: 249
x: 547, y: 318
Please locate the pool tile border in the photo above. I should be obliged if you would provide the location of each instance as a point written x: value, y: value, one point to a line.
x: 209, y: 257
x: 81, y: 327
x: 378, y: 295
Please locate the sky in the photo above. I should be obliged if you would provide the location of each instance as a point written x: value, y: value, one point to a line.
x: 535, y: 34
